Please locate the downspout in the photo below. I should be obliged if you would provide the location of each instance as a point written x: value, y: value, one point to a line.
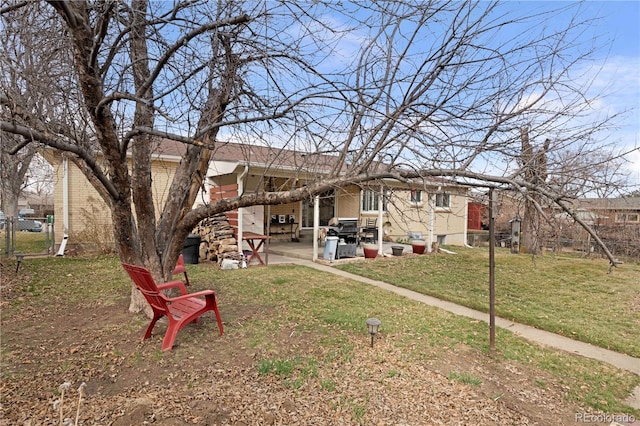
x: 240, y: 182
x: 65, y: 196
x: 466, y: 222
x: 65, y: 206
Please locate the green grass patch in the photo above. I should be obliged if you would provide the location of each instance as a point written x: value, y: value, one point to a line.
x: 301, y: 324
x: 70, y: 280
x: 568, y: 295
x: 332, y: 307
x: 279, y: 367
x: 26, y: 242
x: 466, y: 378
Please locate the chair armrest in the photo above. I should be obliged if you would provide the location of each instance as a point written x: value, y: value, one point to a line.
x: 173, y: 284
x: 192, y: 295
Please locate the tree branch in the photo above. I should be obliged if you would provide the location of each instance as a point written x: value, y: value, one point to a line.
x: 51, y: 140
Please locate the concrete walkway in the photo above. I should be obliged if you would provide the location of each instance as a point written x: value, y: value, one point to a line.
x: 542, y: 337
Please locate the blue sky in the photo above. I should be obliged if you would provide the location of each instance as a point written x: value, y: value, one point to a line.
x: 618, y: 31
x: 621, y: 23
x: 613, y: 30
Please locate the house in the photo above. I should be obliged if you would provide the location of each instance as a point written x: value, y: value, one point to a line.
x: 610, y: 211
x: 34, y: 204
x: 434, y: 210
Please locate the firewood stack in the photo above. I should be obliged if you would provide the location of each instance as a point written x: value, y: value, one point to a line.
x: 216, y: 238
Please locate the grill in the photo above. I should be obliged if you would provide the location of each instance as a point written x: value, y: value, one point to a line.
x: 347, y: 230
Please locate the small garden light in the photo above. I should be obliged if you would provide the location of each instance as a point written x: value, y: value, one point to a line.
x: 373, y: 324
x: 19, y: 258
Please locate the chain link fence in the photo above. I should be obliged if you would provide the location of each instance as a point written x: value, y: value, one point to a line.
x: 27, y: 236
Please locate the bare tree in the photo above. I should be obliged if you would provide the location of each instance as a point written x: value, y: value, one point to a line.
x: 13, y: 169
x: 34, y: 94
x: 534, y: 165
x: 397, y: 89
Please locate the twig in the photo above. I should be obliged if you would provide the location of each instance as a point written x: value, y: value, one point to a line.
x: 63, y: 387
x: 81, y: 394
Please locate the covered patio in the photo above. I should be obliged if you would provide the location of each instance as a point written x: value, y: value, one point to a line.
x: 303, y: 249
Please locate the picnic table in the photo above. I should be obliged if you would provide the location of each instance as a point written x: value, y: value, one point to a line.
x: 255, y: 242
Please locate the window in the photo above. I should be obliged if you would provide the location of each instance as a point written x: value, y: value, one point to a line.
x: 370, y: 201
x: 627, y: 217
x: 416, y: 196
x: 443, y: 200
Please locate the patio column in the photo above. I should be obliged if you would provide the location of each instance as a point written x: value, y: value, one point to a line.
x: 316, y: 220
x: 379, y: 222
x: 432, y: 207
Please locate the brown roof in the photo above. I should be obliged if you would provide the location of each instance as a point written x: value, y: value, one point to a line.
x: 272, y: 157
x: 168, y: 147
x: 277, y: 158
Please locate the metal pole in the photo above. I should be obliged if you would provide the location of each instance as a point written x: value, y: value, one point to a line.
x: 46, y: 234
x: 53, y: 236
x: 14, y: 223
x: 7, y: 237
x: 492, y: 267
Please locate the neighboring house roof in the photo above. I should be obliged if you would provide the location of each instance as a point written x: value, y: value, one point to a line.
x: 32, y: 199
x: 629, y: 203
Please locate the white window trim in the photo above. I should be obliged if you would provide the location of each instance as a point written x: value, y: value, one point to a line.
x: 416, y: 203
x: 385, y: 202
x: 442, y: 208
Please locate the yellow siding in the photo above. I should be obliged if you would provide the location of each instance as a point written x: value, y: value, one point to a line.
x: 452, y: 222
x: 89, y: 215
x: 86, y: 208
x: 405, y: 216
x: 162, y: 173
x: 348, y: 202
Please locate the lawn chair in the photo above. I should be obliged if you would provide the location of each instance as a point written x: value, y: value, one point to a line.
x: 180, y: 310
x: 180, y: 269
x: 369, y: 230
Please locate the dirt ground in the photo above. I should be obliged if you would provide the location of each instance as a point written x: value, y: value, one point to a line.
x: 215, y: 380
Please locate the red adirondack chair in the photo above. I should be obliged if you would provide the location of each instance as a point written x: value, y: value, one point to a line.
x: 180, y: 269
x: 180, y: 310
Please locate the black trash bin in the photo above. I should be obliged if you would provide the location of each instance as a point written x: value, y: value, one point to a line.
x: 191, y: 249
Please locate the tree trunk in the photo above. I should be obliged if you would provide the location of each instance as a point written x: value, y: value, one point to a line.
x: 530, y: 232
x: 534, y: 165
